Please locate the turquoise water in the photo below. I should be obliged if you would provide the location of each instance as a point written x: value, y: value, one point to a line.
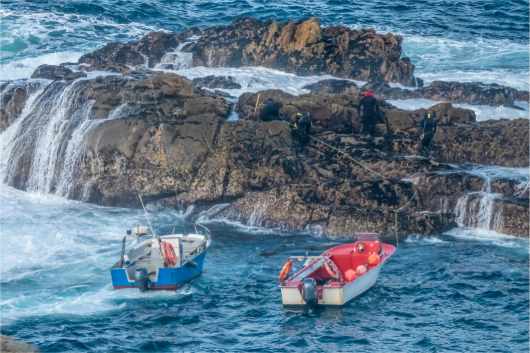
x: 464, y: 291
x: 464, y: 40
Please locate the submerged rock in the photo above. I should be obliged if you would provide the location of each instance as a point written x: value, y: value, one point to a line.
x: 10, y: 345
x: 211, y: 81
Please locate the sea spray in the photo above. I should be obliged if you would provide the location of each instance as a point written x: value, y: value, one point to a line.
x: 482, y: 209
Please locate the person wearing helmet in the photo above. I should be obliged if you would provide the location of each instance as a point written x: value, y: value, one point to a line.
x: 428, y: 127
x: 368, y: 110
x: 301, y: 128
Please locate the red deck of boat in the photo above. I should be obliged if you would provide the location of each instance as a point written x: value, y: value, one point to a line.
x: 347, y: 257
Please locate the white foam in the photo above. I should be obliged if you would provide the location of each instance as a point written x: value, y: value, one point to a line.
x: 483, y: 112
x: 23, y: 68
x: 486, y: 60
x: 64, y: 250
x: 427, y: 239
x: 256, y: 78
x: 511, y: 78
x: 489, y: 236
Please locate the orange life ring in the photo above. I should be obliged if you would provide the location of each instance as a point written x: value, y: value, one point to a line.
x: 170, y: 258
x: 286, y: 268
x: 332, y: 270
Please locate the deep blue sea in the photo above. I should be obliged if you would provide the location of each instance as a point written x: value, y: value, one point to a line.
x: 464, y: 291
x: 483, y: 40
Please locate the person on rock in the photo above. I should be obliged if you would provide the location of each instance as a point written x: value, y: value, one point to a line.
x: 428, y: 127
x: 301, y: 129
x: 270, y: 110
x: 368, y: 110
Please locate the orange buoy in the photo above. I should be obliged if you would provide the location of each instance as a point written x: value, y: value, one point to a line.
x: 361, y: 270
x: 373, y: 260
x: 373, y: 247
x: 286, y: 268
x: 350, y: 275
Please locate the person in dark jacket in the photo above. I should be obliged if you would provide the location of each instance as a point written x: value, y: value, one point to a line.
x: 301, y: 128
x: 369, y: 112
x: 270, y: 110
x: 428, y: 127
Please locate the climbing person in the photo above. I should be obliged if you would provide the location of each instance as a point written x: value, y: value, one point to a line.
x: 301, y: 129
x: 368, y: 110
x: 270, y: 110
x: 428, y: 127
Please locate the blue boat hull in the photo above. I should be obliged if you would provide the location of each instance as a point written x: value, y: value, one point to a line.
x: 169, y: 278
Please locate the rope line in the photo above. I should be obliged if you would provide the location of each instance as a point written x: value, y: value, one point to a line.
x: 349, y: 157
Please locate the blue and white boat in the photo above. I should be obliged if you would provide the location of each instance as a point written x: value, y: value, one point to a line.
x: 156, y: 262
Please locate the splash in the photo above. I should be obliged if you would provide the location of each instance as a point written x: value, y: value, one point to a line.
x: 481, y: 209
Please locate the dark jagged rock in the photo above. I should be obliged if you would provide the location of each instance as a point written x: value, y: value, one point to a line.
x: 459, y: 138
x: 333, y: 86
x: 13, y: 97
x: 211, y: 81
x: 498, y: 142
x: 145, y: 52
x: 302, y: 47
x: 339, y: 112
x: 56, y: 72
x: 455, y: 92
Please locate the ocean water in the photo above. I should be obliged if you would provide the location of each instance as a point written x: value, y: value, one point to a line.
x: 483, y: 40
x: 464, y: 291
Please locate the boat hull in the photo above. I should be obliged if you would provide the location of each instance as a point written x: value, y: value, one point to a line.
x: 334, y: 294
x: 167, y: 278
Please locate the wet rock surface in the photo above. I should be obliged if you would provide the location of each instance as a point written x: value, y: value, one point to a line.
x: 163, y: 136
x: 13, y: 97
x: 211, y: 81
x: 456, y: 92
x: 301, y: 47
x: 56, y: 72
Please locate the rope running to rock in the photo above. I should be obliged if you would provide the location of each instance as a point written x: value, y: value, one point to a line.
x: 350, y: 158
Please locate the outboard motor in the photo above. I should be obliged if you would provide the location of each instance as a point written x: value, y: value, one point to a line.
x: 142, y: 279
x: 309, y: 291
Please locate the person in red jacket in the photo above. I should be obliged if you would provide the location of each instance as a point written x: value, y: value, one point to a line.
x: 368, y: 110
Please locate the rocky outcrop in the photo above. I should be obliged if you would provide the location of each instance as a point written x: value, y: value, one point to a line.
x: 301, y: 47
x: 304, y: 47
x: 498, y: 142
x: 154, y: 133
x: 56, y: 72
x: 459, y: 138
x: 455, y: 92
x: 121, y: 57
x: 13, y: 97
x: 159, y: 136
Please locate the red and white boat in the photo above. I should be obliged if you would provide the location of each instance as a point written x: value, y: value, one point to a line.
x: 336, y: 276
